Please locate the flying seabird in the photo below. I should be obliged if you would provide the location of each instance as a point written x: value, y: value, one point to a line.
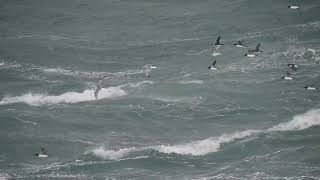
x: 288, y: 76
x: 310, y: 88
x: 293, y: 66
x: 293, y: 7
x: 217, y: 44
x: 239, y: 44
x: 213, y: 66
x: 43, y: 153
x: 251, y: 53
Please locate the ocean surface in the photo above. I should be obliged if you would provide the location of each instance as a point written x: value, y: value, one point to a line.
x: 183, y: 122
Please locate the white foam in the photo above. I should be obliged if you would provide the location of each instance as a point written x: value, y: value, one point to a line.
x: 68, y: 97
x: 58, y: 71
x: 9, y: 65
x: 191, y: 82
x: 216, y: 54
x: 203, y: 147
x: 213, y: 144
x: 4, y: 176
x: 112, y: 154
x: 299, y: 122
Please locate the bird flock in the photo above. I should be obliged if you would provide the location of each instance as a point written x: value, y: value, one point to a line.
x: 254, y: 53
x: 251, y: 53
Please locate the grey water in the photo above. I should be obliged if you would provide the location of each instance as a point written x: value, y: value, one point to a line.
x: 185, y: 121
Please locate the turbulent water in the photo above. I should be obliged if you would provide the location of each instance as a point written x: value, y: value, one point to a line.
x: 242, y: 121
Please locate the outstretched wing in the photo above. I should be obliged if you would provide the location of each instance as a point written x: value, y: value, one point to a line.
x: 218, y: 40
x: 214, y: 63
x: 257, y: 47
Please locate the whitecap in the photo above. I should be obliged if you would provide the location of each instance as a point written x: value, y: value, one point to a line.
x: 112, y: 154
x: 299, y: 122
x: 213, y: 144
x: 68, y: 97
x: 203, y: 147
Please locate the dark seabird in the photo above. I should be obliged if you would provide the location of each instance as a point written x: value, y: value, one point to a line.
x: 293, y: 66
x: 251, y: 53
x: 43, y: 153
x: 213, y: 66
x: 293, y: 7
x: 310, y: 88
x: 288, y: 76
x: 218, y: 44
x: 239, y: 44
x: 257, y: 50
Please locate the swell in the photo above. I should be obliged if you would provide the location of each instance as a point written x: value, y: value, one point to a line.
x: 213, y: 144
x: 70, y: 97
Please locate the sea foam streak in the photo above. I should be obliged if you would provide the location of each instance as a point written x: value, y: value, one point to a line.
x: 111, y: 154
x: 68, y: 97
x: 203, y: 147
x: 213, y: 144
x: 71, y: 97
x: 300, y: 122
x: 191, y: 82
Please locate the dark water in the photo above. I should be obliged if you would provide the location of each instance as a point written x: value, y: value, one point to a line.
x: 183, y: 122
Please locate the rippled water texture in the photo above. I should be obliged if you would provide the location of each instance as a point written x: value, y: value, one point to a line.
x: 242, y: 121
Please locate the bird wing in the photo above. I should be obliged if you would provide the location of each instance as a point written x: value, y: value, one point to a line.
x: 218, y: 40
x: 257, y: 47
x: 214, y: 63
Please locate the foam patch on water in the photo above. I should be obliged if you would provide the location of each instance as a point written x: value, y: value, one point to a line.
x: 299, y: 122
x: 216, y: 54
x: 4, y: 176
x: 9, y: 65
x: 112, y: 154
x: 68, y: 97
x: 203, y: 147
x: 191, y: 82
x: 213, y: 144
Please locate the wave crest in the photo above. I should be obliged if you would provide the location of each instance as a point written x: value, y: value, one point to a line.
x: 203, y: 147
x: 299, y: 122
x: 112, y: 154
x: 68, y: 97
x: 213, y: 144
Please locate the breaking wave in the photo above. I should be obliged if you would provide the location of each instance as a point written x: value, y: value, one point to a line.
x: 213, y: 144
x: 112, y: 154
x: 203, y: 147
x: 71, y: 97
x: 68, y: 97
x: 299, y: 122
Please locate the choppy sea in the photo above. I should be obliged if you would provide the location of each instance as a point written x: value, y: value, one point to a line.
x: 242, y: 121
